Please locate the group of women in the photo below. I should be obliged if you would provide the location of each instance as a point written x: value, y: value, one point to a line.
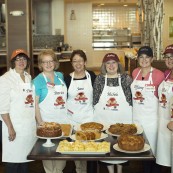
x: 146, y: 99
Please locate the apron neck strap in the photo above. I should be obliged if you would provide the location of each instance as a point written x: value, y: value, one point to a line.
x: 45, y: 78
x: 119, y: 79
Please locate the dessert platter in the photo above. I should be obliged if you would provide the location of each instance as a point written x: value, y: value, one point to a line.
x: 79, y: 147
x: 131, y: 144
x: 48, y: 131
x: 120, y: 128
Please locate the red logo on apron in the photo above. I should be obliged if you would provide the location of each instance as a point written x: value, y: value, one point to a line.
x: 59, y: 101
x: 29, y: 99
x: 112, y: 102
x: 163, y: 99
x: 81, y: 97
x: 138, y: 96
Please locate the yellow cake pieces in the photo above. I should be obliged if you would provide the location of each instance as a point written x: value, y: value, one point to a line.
x: 79, y: 146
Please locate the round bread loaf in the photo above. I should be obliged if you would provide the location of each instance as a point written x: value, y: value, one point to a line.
x: 131, y: 142
x: 120, y: 128
x: 49, y: 129
x: 91, y: 126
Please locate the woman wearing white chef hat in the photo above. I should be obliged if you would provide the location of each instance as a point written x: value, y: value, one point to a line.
x: 112, y: 97
x: 163, y: 155
x: 17, y: 109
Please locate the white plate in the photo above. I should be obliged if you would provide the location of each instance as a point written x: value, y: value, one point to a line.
x: 51, y: 137
x: 84, y: 152
x: 77, y: 127
x: 139, y: 131
x: 103, y: 136
x: 117, y: 148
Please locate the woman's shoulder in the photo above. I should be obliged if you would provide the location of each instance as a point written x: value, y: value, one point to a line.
x: 135, y: 72
x: 91, y: 72
x: 59, y: 74
x: 167, y: 72
x: 38, y: 79
x: 158, y: 72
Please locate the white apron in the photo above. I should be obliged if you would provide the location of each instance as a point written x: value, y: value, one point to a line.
x: 145, y: 108
x: 22, y: 114
x: 113, y: 108
x: 80, y: 100
x: 53, y: 107
x: 163, y: 154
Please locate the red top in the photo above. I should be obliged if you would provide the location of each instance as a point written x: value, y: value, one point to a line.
x: 157, y: 77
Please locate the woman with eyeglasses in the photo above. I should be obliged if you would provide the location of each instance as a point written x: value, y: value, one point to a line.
x: 17, y: 109
x: 49, y: 86
x: 112, y: 98
x: 146, y: 80
x: 164, y: 151
x: 80, y: 98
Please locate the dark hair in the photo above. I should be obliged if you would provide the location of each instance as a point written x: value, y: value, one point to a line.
x: 79, y: 52
x: 20, y: 56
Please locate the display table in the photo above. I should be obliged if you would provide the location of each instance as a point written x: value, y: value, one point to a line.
x: 43, y: 153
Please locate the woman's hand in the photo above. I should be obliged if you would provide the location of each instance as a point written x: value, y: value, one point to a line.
x: 12, y: 134
x: 170, y: 125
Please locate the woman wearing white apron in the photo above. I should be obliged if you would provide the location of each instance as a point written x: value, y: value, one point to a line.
x: 163, y: 155
x: 145, y: 101
x: 51, y: 95
x: 80, y: 98
x: 112, y: 97
x: 17, y: 108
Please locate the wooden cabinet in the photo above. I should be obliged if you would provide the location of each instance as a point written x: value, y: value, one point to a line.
x: 3, y: 64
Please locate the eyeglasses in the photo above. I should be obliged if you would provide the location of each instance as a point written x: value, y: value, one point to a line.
x: 21, y: 59
x: 77, y: 62
x: 48, y: 62
x: 166, y: 57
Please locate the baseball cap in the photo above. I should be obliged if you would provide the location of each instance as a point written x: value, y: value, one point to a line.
x: 111, y: 56
x: 17, y: 52
x: 169, y: 49
x: 145, y: 50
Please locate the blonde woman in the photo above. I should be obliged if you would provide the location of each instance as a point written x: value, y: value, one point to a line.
x: 49, y: 86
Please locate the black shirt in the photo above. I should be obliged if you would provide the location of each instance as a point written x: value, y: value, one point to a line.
x: 68, y: 78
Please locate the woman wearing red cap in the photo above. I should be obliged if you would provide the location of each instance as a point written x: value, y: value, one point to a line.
x: 18, y: 114
x: 163, y: 155
x: 112, y: 97
x: 146, y: 80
